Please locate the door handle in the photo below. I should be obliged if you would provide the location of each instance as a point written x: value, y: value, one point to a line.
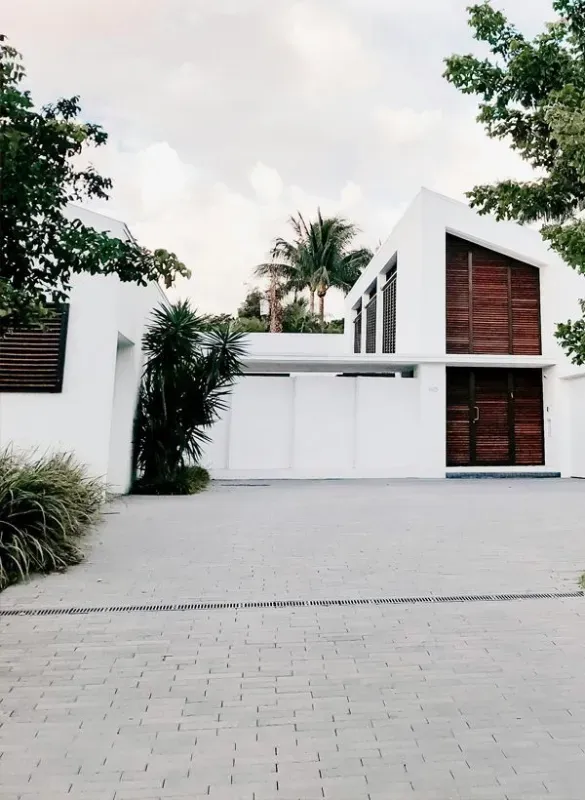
x: 476, y: 417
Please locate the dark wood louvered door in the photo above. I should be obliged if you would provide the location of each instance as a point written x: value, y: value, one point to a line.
x: 491, y: 443
x: 528, y: 428
x: 458, y: 417
x: 494, y: 417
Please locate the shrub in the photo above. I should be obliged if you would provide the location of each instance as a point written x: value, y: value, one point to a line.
x: 188, y: 480
x: 46, y: 505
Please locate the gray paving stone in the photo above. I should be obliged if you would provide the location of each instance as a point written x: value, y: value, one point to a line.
x: 474, y: 701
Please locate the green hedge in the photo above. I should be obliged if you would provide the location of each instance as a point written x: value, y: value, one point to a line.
x: 46, y: 505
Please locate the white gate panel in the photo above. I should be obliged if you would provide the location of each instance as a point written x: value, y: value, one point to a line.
x: 388, y: 415
x: 260, y: 424
x: 324, y: 425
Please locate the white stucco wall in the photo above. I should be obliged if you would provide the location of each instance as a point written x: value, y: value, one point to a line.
x: 78, y: 418
x: 81, y: 418
x: 92, y: 416
x: 574, y: 428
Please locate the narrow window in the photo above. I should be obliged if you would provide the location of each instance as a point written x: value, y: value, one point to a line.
x: 389, y: 314
x: 357, y: 333
x: 371, y: 325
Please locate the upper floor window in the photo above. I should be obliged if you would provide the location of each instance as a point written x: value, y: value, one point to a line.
x: 371, y: 310
x: 389, y: 313
x: 493, y: 302
x: 357, y: 333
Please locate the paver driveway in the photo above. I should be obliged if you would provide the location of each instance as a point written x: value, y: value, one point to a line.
x: 470, y: 700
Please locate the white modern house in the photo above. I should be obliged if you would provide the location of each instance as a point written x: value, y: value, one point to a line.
x: 449, y: 365
x: 73, y: 386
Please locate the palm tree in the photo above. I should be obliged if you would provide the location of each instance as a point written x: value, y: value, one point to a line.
x: 277, y: 289
x: 190, y: 366
x: 319, y: 257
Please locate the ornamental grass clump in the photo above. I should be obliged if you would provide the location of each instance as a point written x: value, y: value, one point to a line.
x: 47, y: 504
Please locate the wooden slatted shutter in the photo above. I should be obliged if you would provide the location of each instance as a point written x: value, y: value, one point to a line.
x: 371, y: 310
x: 458, y: 326
x: 458, y: 417
x: 490, y: 302
x: 389, y: 315
x: 357, y: 333
x: 528, y: 417
x: 525, y: 298
x: 33, y: 359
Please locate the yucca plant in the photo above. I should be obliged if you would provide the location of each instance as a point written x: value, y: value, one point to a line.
x: 190, y: 366
x: 46, y: 505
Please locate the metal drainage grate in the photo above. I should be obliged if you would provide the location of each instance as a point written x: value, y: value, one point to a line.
x: 268, y: 604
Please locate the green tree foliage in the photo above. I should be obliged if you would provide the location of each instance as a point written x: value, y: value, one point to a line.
x: 533, y: 95
x: 252, y: 305
x: 296, y: 317
x: 189, y: 370
x: 40, y: 249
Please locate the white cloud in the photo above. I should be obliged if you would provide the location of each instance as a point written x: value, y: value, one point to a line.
x: 334, y: 57
x: 220, y: 232
x: 405, y: 125
x: 227, y: 116
x: 351, y: 195
x: 266, y: 182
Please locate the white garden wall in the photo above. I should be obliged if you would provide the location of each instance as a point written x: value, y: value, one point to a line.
x: 319, y: 426
x: 575, y: 389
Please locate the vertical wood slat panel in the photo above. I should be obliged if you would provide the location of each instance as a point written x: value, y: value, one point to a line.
x: 525, y: 289
x: 458, y: 417
x: 491, y: 319
x: 495, y: 306
x: 458, y: 321
x: 528, y: 417
x: 33, y: 359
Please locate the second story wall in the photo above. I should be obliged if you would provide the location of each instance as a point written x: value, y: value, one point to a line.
x: 516, y: 282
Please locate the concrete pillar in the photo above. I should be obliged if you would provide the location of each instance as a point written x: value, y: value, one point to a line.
x: 433, y: 420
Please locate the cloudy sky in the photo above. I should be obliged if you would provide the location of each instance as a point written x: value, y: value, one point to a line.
x: 226, y: 116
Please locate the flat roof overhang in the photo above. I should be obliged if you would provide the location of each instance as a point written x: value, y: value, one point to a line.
x: 379, y: 364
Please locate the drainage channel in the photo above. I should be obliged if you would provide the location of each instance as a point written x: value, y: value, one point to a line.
x: 275, y: 604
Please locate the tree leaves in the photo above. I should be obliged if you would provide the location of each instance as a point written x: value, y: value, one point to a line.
x: 532, y: 94
x: 40, y: 248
